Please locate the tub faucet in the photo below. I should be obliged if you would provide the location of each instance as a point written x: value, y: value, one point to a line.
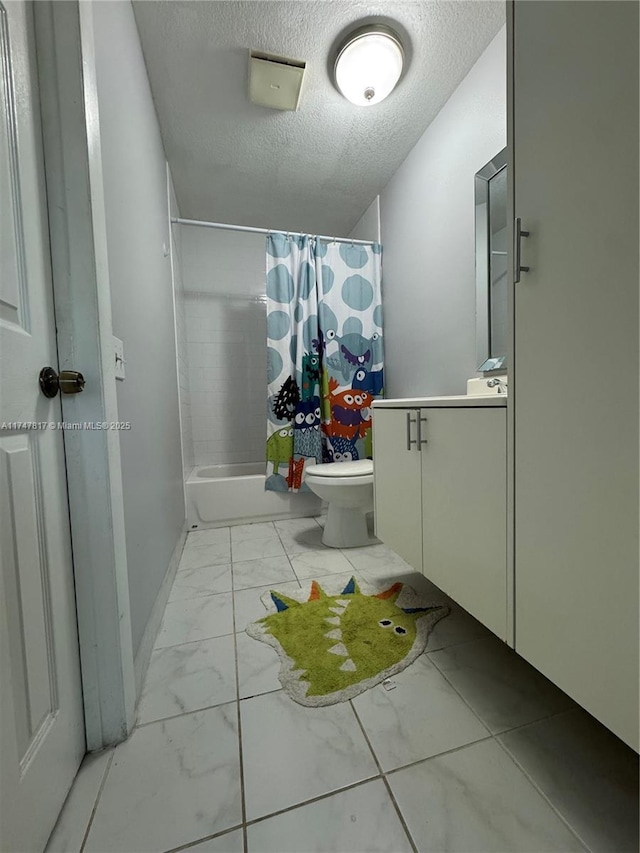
x: 502, y: 386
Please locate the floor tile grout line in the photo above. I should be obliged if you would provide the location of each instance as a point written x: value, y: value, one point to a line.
x: 316, y: 549
x: 264, y: 693
x: 312, y: 800
x: 459, y: 643
x: 199, y: 595
x: 483, y: 639
x: 453, y: 687
x: 189, y: 844
x: 533, y: 722
x: 401, y: 817
x: 428, y: 652
x: 243, y: 803
x: 471, y: 708
x: 287, y: 555
x: 544, y: 796
x: 266, y: 587
x: 190, y: 548
x: 190, y: 642
x: 366, y: 737
x: 185, y: 713
x: 202, y: 595
x: 269, y: 583
x: 384, y: 779
x: 437, y: 755
x: 97, y: 800
x: 258, y: 559
x: 249, y: 540
x: 278, y: 521
x: 221, y: 566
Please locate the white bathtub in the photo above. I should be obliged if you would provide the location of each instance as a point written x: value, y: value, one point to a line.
x: 234, y: 494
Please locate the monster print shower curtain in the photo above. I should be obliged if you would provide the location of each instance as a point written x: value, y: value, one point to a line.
x: 324, y: 354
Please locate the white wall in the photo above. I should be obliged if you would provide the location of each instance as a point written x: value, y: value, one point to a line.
x: 134, y: 170
x: 427, y: 219
x: 368, y: 226
x: 226, y: 330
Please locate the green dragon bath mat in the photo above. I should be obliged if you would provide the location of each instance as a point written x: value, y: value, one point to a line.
x: 333, y: 646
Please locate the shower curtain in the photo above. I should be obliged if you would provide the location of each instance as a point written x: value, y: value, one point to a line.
x: 324, y: 354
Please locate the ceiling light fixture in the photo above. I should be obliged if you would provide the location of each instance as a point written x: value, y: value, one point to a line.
x: 369, y: 64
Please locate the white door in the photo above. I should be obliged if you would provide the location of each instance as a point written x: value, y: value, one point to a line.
x: 575, y: 121
x: 397, y: 487
x: 41, y: 719
x: 464, y: 509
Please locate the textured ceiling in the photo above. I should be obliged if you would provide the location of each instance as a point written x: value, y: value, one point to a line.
x: 316, y: 169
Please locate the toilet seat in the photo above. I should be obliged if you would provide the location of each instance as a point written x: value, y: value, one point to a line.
x: 360, y: 468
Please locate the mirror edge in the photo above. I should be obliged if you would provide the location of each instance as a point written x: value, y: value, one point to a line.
x: 481, y: 197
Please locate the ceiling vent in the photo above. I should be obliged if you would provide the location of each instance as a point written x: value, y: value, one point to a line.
x: 275, y: 81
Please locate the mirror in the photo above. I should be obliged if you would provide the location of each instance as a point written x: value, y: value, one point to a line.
x: 491, y: 263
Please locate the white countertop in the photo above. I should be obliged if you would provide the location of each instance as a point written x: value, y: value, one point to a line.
x: 459, y: 401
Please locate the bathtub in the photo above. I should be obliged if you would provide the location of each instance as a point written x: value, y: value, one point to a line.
x: 218, y: 495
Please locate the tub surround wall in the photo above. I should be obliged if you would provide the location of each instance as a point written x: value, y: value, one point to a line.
x: 135, y: 185
x: 427, y: 218
x: 226, y: 332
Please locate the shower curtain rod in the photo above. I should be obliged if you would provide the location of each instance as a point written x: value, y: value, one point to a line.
x: 222, y: 226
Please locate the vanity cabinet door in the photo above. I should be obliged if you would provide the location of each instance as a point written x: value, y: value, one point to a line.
x: 464, y: 509
x: 398, y: 503
x: 575, y: 383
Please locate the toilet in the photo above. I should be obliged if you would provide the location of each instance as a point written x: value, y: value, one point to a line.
x: 348, y: 489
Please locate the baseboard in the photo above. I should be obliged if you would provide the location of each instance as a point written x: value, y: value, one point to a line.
x: 143, y: 655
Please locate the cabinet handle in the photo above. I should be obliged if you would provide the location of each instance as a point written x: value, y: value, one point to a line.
x: 410, y: 440
x: 421, y: 440
x: 518, y: 234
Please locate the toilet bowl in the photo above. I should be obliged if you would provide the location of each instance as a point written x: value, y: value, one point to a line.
x: 348, y: 489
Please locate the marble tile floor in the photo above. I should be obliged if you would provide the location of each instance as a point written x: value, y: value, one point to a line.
x: 472, y: 751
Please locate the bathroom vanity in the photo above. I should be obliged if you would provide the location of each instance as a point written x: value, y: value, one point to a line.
x: 562, y: 586
x: 440, y: 493
x: 574, y: 347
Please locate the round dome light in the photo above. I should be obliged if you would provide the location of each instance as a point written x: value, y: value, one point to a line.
x: 369, y: 65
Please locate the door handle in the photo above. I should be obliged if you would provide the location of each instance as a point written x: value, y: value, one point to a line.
x: 518, y: 234
x: 421, y: 440
x: 67, y: 381
x: 410, y: 440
